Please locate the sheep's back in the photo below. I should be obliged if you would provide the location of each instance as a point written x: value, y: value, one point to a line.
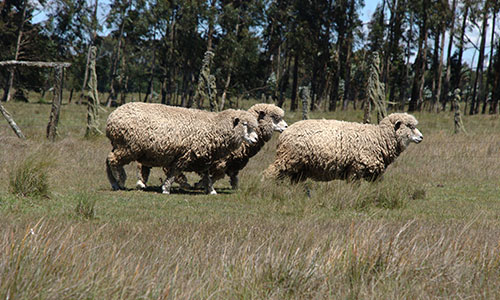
x: 158, y: 133
x: 329, y: 145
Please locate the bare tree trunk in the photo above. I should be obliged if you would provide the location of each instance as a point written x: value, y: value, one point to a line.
x: 12, y: 123
x: 474, y: 106
x: 56, y: 105
x: 294, y: 104
x: 10, y: 81
x: 490, y: 64
x: 229, y: 72
x: 417, y: 86
x: 446, y: 84
x: 93, y: 99
x: 114, y: 85
x: 438, y: 71
x: 91, y: 43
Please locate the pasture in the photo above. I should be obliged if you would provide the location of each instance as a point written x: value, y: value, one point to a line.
x: 429, y: 229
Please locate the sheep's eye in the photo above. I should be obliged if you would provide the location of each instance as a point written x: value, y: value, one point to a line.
x: 245, y: 123
x: 411, y: 126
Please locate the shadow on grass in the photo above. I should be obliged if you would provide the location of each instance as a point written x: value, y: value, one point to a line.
x: 177, y: 190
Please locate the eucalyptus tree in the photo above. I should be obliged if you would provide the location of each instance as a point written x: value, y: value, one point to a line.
x: 20, y: 39
x: 421, y: 11
x: 237, y: 46
x: 346, y: 22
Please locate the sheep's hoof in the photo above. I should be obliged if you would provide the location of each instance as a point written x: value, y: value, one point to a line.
x: 117, y: 187
x: 165, y: 191
x: 140, y: 185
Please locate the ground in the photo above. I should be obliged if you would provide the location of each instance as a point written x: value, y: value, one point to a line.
x: 429, y: 229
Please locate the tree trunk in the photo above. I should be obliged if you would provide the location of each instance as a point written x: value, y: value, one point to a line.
x: 476, y: 99
x: 12, y: 123
x: 56, y: 105
x: 489, y: 80
x: 417, y: 86
x: 10, y: 80
x: 294, y: 104
x: 446, y: 83
x: 91, y: 43
x: 114, y: 85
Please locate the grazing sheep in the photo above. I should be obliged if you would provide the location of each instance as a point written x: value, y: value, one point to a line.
x: 324, y: 150
x: 178, y: 139
x: 270, y: 119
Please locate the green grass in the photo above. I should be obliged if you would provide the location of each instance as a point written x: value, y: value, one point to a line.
x: 429, y: 229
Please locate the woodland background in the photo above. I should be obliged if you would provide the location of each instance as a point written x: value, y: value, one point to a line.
x: 262, y: 49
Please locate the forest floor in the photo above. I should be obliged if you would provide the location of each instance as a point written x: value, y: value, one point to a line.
x: 429, y: 229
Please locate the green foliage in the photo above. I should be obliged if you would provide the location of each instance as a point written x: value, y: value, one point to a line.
x: 30, y: 178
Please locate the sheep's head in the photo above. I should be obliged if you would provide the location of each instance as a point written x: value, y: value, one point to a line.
x: 405, y: 127
x: 245, y: 124
x: 270, y: 118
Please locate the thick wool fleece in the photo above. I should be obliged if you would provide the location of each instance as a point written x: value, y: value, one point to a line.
x: 238, y: 159
x: 176, y: 138
x: 324, y: 150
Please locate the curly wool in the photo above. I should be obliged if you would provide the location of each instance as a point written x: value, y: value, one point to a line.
x: 238, y: 159
x: 176, y: 138
x: 324, y: 150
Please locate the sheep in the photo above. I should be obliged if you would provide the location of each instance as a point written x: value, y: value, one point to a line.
x: 325, y: 150
x: 178, y: 139
x: 270, y: 119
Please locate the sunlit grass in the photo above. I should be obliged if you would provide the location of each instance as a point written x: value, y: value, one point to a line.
x: 428, y: 229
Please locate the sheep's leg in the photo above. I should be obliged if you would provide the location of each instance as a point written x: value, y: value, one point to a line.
x: 114, y: 169
x: 170, y: 176
x: 208, y: 184
x: 142, y: 176
x: 233, y: 179
x: 182, y: 181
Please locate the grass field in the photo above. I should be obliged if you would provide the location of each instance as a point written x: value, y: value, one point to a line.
x: 429, y: 229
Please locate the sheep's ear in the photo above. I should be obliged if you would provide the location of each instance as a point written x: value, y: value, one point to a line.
x: 261, y: 115
x: 235, y: 122
x: 397, y: 125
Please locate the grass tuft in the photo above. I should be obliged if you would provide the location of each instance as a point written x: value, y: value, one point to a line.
x: 30, y: 179
x: 85, y: 206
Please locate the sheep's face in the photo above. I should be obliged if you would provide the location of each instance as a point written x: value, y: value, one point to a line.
x: 247, y: 130
x: 270, y: 117
x: 250, y: 135
x: 406, y: 130
x: 278, y: 123
x: 272, y: 121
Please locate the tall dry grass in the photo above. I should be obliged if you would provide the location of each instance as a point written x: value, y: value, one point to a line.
x: 429, y: 229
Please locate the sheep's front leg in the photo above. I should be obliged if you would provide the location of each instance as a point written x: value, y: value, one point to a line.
x: 142, y: 176
x: 208, y: 184
x: 169, y: 179
x: 233, y: 179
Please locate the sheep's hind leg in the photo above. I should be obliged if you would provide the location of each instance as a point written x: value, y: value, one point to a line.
x: 208, y: 184
x: 182, y: 181
x: 142, y: 176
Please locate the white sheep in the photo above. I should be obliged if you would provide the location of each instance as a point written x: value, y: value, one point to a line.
x: 325, y: 150
x: 178, y: 139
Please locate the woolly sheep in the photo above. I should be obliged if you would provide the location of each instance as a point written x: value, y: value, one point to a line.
x: 178, y: 139
x: 270, y: 118
x: 325, y: 150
